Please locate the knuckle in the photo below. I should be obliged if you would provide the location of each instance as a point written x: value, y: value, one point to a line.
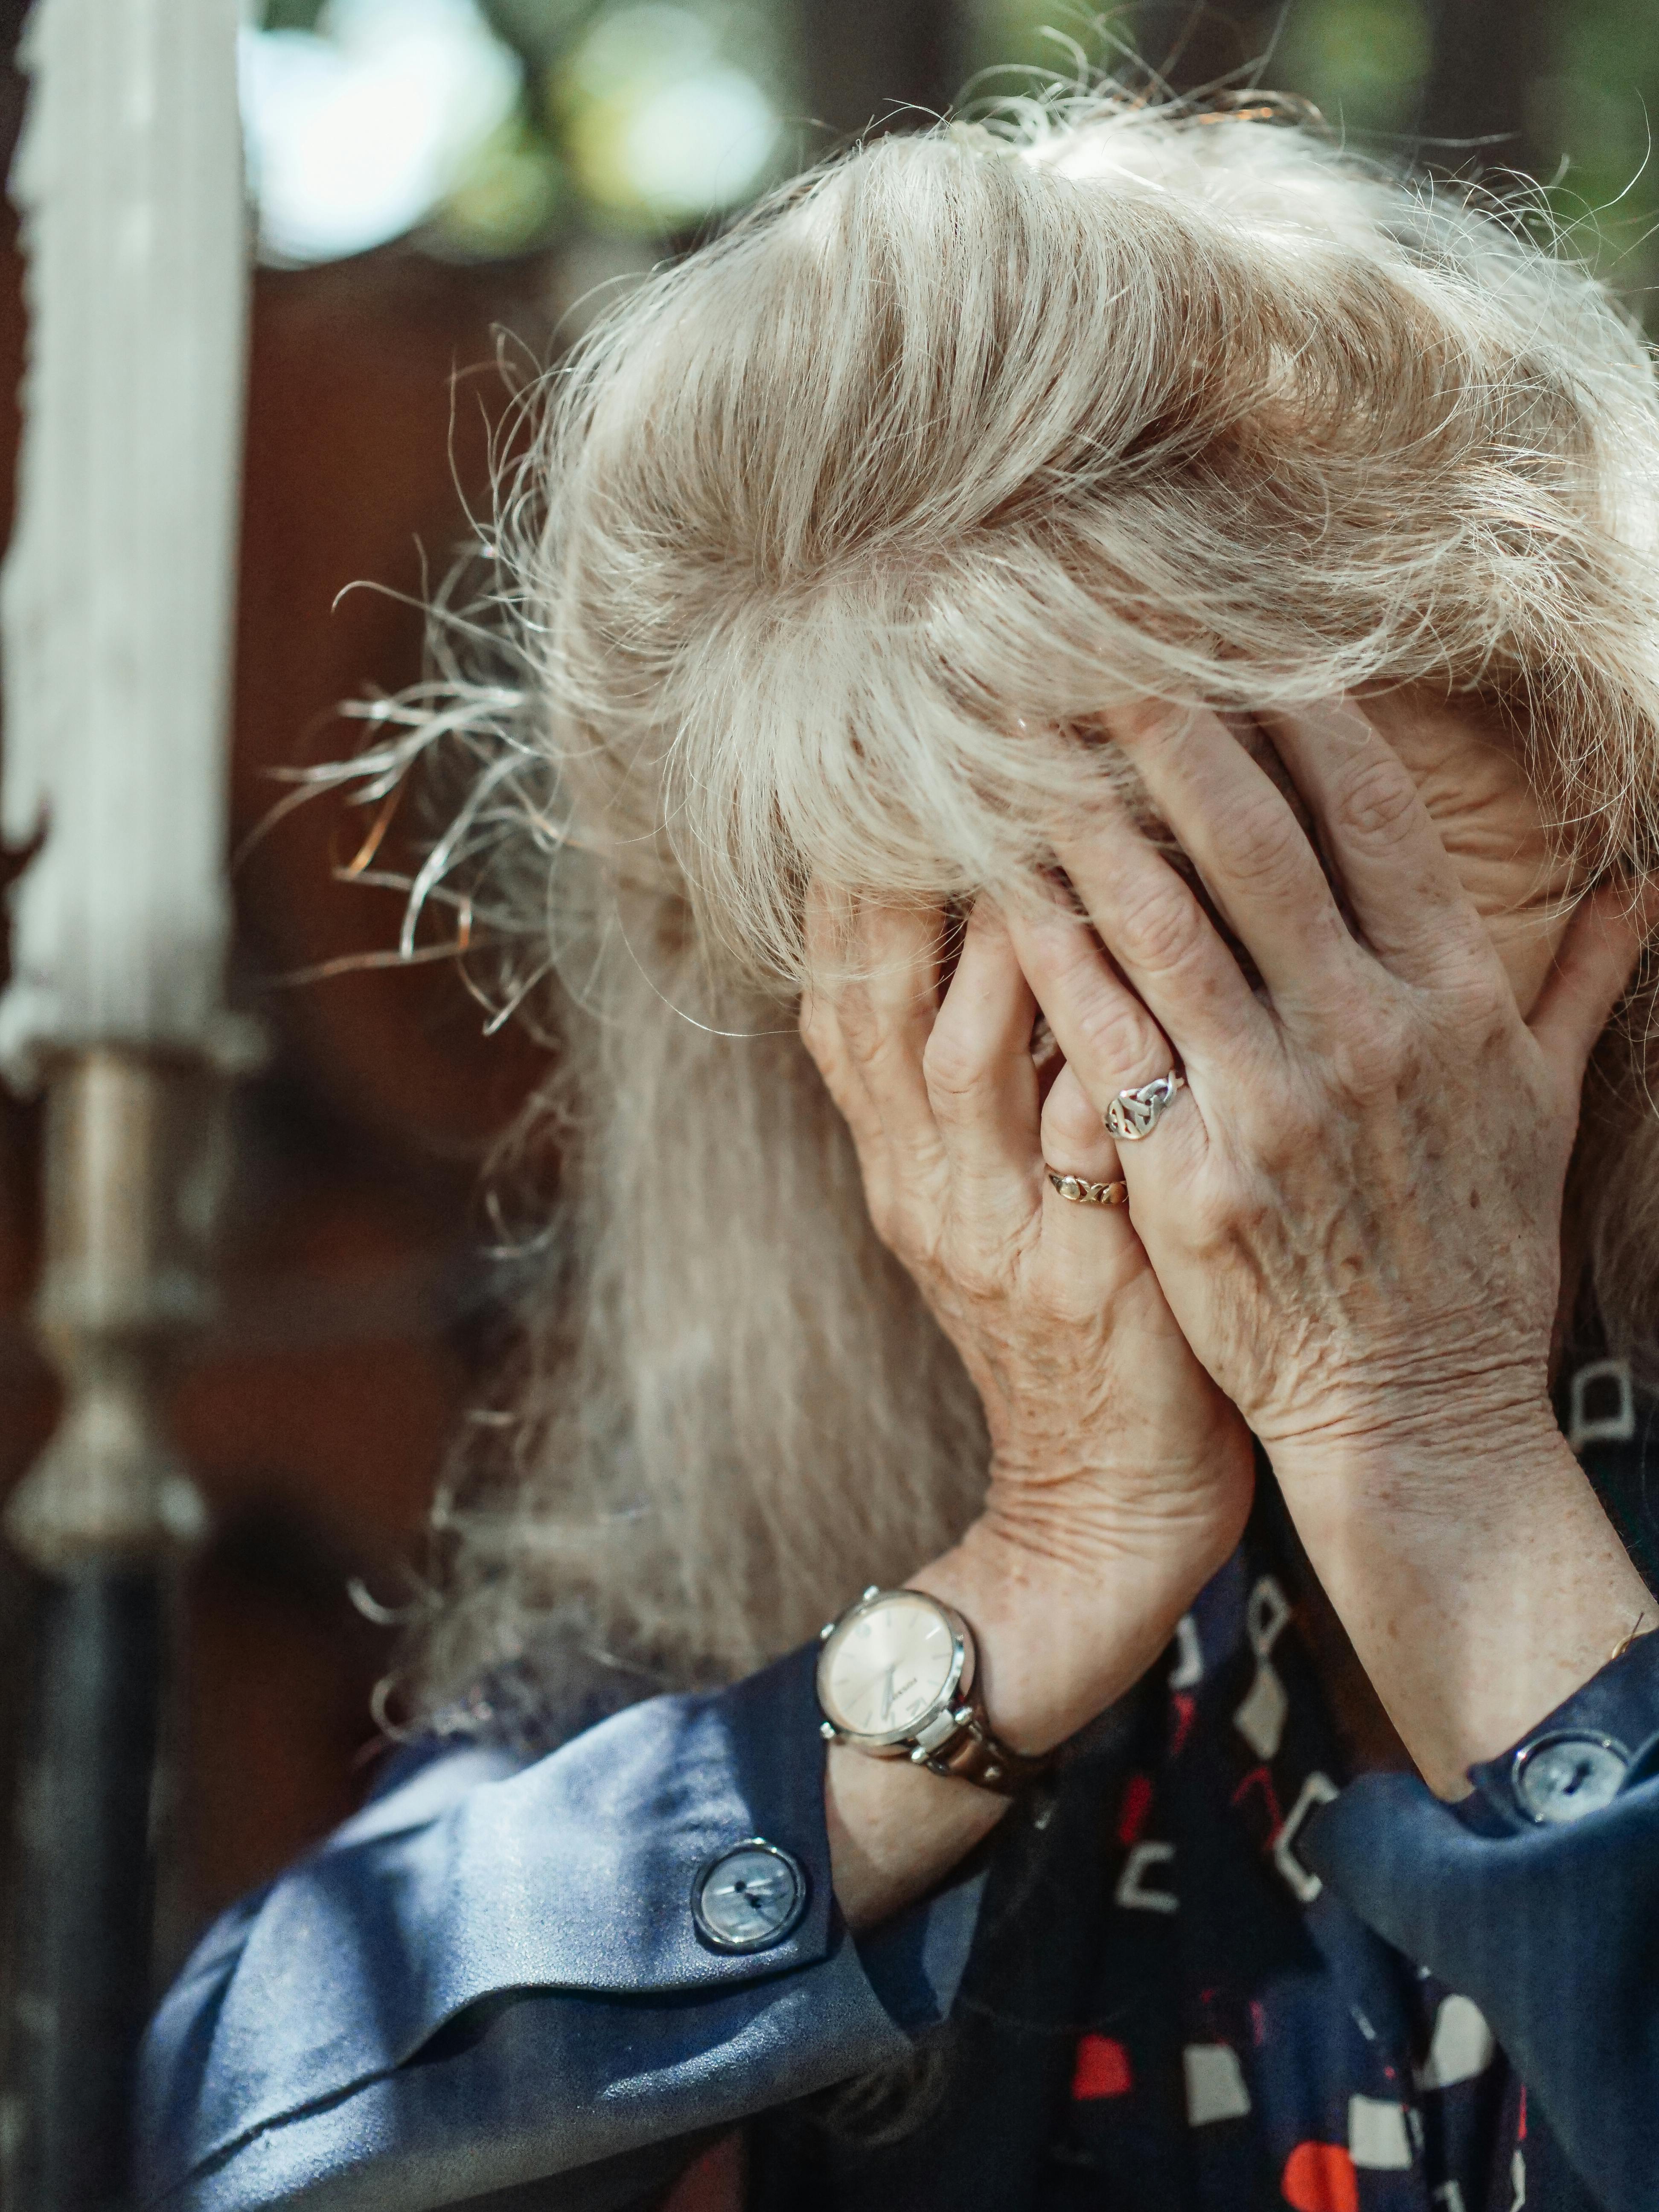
x: 1484, y: 995
x: 1116, y: 1037
x: 1374, y: 1057
x: 1072, y: 967
x: 1069, y: 1122
x: 1376, y: 800
x: 862, y: 1035
x: 1165, y: 930
x: 1264, y: 844
x: 951, y: 1069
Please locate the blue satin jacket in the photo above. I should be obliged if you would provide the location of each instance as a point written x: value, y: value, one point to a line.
x: 489, y: 1987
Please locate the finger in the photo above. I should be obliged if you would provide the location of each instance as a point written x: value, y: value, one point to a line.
x: 886, y: 1000
x: 1110, y: 1041
x: 981, y: 1078
x: 1165, y: 944
x: 820, y: 1032
x: 1074, y: 1136
x: 821, y: 1035
x: 828, y: 919
x: 1593, y: 966
x: 1402, y: 888
x: 1252, y: 854
x: 1075, y: 1143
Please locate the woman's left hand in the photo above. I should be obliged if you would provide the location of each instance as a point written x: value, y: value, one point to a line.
x: 1354, y: 1207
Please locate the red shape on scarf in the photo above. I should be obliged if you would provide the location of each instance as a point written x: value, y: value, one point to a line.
x: 1102, y: 2068
x: 1320, y: 2177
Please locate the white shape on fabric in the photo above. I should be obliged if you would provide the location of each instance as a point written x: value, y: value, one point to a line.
x: 1131, y: 1891
x: 1215, y: 2084
x: 1317, y: 1789
x: 1261, y: 1719
x: 1188, y: 1669
x: 1615, y: 1427
x: 1461, y: 2047
x: 1450, y: 2194
x: 1518, y: 2180
x: 1377, y: 2134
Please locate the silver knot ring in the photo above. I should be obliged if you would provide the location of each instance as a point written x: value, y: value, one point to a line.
x: 1133, y: 1115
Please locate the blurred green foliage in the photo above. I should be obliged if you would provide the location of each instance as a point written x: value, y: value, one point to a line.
x: 1591, y: 86
x: 625, y: 101
x: 291, y: 14
x: 1362, y: 63
x: 623, y: 98
x: 1590, y: 107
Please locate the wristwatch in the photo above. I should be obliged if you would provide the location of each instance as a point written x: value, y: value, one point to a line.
x: 895, y: 1679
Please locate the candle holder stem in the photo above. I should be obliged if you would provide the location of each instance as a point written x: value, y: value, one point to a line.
x: 130, y: 1179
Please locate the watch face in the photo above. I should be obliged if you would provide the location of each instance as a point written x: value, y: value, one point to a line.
x: 890, y: 1665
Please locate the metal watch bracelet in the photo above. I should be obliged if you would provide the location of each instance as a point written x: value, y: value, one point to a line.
x: 975, y: 1754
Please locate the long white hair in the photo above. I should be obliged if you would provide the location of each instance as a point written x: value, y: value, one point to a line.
x: 833, y: 542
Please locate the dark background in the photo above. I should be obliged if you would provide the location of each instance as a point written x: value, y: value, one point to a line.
x: 357, y: 1317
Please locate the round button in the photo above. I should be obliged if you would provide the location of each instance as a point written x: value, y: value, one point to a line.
x: 749, y: 1898
x: 1562, y: 1777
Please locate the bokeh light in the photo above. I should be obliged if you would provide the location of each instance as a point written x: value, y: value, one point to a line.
x: 662, y: 126
x: 490, y: 125
x: 494, y: 127
x: 356, y: 131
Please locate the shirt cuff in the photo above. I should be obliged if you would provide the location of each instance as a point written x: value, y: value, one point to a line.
x: 1596, y: 1745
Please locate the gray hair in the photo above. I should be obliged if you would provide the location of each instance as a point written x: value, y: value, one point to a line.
x: 833, y: 542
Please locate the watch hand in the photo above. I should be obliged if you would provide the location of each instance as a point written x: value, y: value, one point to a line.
x: 887, y: 1692
x: 894, y: 1691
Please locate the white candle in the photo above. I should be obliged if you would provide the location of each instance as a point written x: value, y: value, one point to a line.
x: 118, y: 593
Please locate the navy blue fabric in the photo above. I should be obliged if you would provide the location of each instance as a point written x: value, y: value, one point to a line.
x: 1347, y: 1996
x: 1552, y: 1931
x: 1185, y: 1984
x: 381, y: 2026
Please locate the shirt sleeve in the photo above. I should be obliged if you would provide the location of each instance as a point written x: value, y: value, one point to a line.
x: 494, y: 1975
x: 1538, y: 1897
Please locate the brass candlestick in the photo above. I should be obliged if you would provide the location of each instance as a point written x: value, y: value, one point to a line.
x: 133, y: 1150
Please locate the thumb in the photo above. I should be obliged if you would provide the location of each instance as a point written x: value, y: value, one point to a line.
x: 1596, y: 960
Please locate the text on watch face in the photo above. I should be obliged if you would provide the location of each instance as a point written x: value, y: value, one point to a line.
x: 889, y: 1668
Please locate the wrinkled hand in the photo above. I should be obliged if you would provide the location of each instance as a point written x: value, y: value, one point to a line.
x: 1354, y: 1208
x: 1109, y: 1443
x: 1120, y: 1477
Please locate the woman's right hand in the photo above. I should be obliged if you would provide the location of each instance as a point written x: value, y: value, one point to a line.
x: 1120, y: 1477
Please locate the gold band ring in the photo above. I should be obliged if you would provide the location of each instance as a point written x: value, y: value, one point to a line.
x: 1088, y: 1194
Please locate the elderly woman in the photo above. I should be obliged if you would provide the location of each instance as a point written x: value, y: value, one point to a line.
x: 1149, y: 633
